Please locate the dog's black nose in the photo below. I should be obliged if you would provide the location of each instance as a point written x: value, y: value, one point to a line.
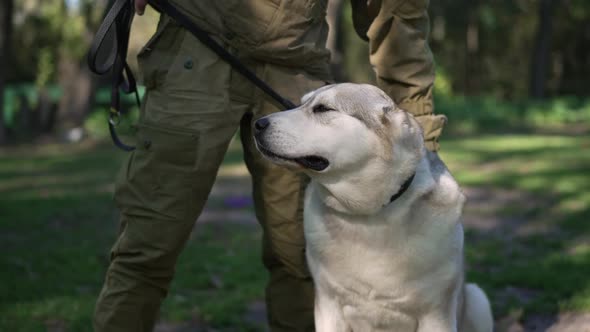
x: 261, y: 124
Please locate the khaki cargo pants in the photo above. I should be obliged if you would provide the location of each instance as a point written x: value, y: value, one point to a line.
x: 193, y: 107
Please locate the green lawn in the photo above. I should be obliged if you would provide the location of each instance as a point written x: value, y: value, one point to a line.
x: 541, y: 244
x: 57, y: 223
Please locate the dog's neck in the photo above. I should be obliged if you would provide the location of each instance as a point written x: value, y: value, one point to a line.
x: 368, y: 190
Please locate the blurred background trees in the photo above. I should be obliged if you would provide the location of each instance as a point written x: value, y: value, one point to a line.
x: 49, y: 89
x: 6, y: 12
x: 43, y: 64
x: 524, y: 61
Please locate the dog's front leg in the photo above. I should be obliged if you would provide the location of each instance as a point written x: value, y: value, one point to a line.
x: 435, y: 322
x: 328, y: 314
x: 443, y: 319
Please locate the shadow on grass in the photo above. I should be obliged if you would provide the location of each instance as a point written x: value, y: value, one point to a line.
x: 540, y: 263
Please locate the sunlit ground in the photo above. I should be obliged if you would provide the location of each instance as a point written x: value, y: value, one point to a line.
x: 527, y: 244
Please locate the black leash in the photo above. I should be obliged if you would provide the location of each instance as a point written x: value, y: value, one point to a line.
x: 119, y: 17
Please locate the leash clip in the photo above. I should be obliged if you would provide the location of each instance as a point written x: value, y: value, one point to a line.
x: 114, y: 117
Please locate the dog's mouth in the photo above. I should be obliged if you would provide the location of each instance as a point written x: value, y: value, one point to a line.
x: 312, y: 162
x: 315, y: 163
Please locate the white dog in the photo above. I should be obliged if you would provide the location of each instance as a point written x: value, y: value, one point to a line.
x: 382, y: 223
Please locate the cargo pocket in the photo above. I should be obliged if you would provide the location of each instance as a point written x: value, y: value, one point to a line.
x: 184, y: 79
x: 157, y: 181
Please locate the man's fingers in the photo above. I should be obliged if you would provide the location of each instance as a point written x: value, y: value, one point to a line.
x: 140, y: 6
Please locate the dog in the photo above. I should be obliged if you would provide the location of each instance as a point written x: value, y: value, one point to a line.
x: 384, y: 240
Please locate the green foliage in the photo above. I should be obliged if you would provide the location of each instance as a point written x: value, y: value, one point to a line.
x: 500, y: 63
x: 47, y: 32
x: 45, y: 68
x: 475, y: 114
x: 356, y: 51
x: 443, y: 85
x: 30, y: 93
x: 579, y: 9
x: 96, y: 123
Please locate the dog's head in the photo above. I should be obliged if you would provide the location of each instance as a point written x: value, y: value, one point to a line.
x: 341, y: 129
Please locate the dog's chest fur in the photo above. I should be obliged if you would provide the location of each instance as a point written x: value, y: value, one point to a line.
x: 396, y: 260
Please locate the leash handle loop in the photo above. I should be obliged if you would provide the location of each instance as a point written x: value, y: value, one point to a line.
x: 121, y: 11
x: 118, y: 20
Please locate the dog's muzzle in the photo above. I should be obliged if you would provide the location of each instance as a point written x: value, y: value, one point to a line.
x: 312, y: 162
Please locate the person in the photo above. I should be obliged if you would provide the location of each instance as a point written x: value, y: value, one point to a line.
x: 193, y: 106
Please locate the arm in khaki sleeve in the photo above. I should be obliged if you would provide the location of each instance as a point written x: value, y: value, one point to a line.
x: 401, y: 58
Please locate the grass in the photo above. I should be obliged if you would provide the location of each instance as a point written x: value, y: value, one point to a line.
x: 57, y: 223
x: 546, y: 252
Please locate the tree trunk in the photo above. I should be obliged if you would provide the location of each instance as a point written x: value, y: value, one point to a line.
x: 78, y: 93
x: 471, y: 50
x: 76, y: 80
x: 335, y: 39
x: 540, y: 56
x: 6, y: 11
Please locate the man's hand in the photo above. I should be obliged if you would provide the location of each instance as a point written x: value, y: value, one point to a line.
x: 140, y: 6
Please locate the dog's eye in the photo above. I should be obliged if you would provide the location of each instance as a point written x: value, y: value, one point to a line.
x: 321, y: 108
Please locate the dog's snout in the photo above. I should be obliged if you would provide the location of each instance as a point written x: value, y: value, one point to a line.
x: 261, y: 124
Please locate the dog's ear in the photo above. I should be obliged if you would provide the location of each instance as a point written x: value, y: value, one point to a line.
x: 312, y: 93
x: 387, y: 105
x: 406, y: 130
x: 307, y: 96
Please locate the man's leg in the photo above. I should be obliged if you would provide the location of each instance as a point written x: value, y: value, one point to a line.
x: 161, y: 191
x: 403, y: 61
x: 185, y: 127
x: 278, y: 197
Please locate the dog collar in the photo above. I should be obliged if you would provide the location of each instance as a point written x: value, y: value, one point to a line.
x: 403, y: 188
